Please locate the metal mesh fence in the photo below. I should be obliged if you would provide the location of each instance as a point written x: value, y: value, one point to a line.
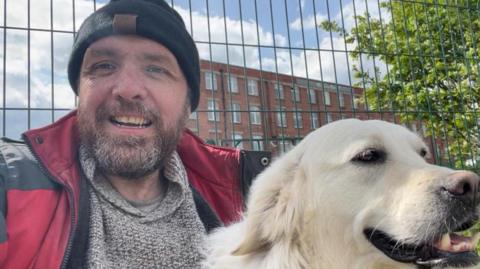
x: 274, y: 70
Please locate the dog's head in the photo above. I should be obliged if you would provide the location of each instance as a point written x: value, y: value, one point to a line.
x: 367, y: 185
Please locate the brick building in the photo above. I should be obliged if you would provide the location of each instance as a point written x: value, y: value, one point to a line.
x: 260, y: 110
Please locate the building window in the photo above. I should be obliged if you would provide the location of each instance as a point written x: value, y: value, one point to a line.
x: 312, y: 96
x: 297, y: 120
x: 214, y: 132
x: 232, y: 83
x: 213, y: 114
x: 314, y: 120
x: 237, y: 141
x: 281, y: 117
x: 284, y: 145
x: 295, y: 94
x: 329, y: 117
x: 236, y: 114
x: 193, y: 115
x: 326, y: 96
x: 255, y: 117
x: 257, y: 142
x: 356, y: 100
x: 252, y: 87
x: 210, y: 81
x: 341, y: 99
x: 278, y: 91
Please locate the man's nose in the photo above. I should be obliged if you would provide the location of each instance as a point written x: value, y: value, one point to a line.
x: 129, y: 84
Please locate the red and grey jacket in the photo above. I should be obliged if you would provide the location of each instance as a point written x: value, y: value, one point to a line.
x: 44, y: 204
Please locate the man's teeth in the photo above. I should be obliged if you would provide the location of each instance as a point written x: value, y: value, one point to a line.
x: 460, y: 244
x: 131, y: 120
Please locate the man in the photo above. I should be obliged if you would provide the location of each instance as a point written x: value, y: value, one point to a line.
x: 119, y: 183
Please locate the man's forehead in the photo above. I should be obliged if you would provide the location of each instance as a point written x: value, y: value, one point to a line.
x: 117, y: 46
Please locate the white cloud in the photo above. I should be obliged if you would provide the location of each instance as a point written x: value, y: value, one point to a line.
x: 280, y: 41
x: 40, y: 52
x: 321, y: 65
x: 40, y: 69
x: 335, y: 66
x: 16, y: 86
x: 41, y: 94
x: 300, y: 60
x: 310, y: 22
x: 213, y: 29
x: 350, y: 11
x: 237, y: 33
x: 17, y: 14
x: 41, y: 13
x: 64, y: 96
x: 16, y: 52
x: 360, y: 8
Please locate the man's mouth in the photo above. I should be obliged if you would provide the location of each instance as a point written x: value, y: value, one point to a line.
x: 130, y: 121
x: 451, y: 249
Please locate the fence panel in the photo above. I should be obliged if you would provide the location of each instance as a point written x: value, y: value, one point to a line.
x: 274, y: 70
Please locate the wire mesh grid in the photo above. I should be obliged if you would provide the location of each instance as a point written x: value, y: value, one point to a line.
x: 274, y: 70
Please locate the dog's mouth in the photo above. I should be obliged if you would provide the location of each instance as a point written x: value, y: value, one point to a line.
x: 450, y: 249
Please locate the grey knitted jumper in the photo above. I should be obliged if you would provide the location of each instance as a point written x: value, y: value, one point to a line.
x: 123, y: 236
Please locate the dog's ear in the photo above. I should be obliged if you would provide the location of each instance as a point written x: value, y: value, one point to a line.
x: 275, y: 207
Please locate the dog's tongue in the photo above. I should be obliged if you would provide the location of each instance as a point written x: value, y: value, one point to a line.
x: 455, y: 243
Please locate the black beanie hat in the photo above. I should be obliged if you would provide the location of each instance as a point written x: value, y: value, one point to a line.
x: 153, y: 19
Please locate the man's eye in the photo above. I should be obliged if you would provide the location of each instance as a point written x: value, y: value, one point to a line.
x: 156, y: 69
x: 101, y: 68
x: 104, y: 66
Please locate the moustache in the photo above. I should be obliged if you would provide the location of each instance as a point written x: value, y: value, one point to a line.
x: 125, y: 107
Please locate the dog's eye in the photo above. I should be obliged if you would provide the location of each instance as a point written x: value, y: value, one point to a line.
x: 423, y: 152
x: 370, y: 156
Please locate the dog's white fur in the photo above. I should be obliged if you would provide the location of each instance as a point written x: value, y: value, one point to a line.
x: 310, y: 207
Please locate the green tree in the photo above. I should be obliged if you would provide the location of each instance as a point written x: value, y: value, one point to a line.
x: 430, y: 50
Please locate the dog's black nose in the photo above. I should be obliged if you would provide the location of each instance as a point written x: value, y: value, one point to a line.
x: 464, y: 185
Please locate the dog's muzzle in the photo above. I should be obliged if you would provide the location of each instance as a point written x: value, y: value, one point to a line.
x: 459, y: 195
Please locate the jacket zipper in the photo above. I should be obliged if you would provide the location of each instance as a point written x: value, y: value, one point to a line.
x: 69, y: 195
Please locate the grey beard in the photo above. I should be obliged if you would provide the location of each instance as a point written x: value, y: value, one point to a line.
x: 128, y: 157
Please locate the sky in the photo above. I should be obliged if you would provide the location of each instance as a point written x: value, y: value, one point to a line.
x: 278, y: 36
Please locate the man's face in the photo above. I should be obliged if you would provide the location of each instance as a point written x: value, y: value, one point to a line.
x: 133, y: 105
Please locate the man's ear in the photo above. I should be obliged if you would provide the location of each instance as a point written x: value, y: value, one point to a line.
x: 275, y: 208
